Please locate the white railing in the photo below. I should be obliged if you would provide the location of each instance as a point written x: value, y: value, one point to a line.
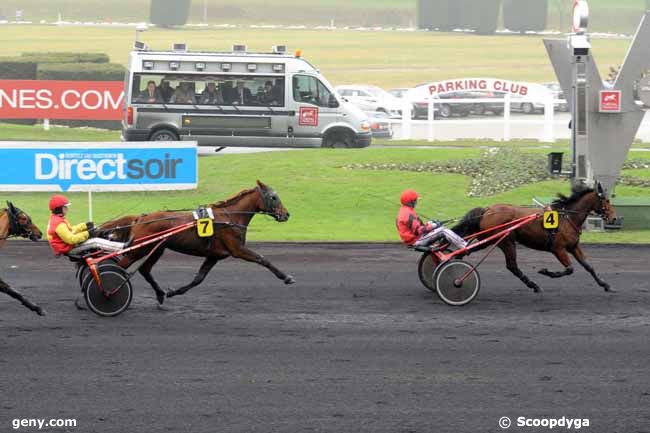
x: 549, y: 123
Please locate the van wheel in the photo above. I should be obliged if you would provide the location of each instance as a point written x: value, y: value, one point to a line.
x: 164, y: 135
x: 339, y: 139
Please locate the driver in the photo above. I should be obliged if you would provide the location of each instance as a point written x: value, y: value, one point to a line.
x: 67, y: 239
x: 414, y: 232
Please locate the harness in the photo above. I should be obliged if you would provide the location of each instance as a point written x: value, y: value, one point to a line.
x: 15, y: 228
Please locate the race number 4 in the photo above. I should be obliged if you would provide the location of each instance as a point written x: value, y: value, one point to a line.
x: 551, y: 220
x: 204, y: 227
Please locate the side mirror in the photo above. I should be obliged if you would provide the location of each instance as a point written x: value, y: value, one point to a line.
x: 333, y: 103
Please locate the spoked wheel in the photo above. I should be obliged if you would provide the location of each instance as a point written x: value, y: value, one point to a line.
x: 115, y: 293
x: 450, y: 289
x: 83, y: 271
x: 426, y: 268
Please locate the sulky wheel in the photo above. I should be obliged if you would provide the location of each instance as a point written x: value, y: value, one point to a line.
x: 450, y: 290
x: 83, y: 271
x: 116, y: 294
x: 426, y: 268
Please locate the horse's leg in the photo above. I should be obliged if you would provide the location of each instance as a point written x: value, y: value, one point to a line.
x: 5, y: 288
x: 145, y: 271
x: 204, y: 270
x: 563, y: 257
x: 242, y: 252
x: 509, y: 249
x: 582, y: 259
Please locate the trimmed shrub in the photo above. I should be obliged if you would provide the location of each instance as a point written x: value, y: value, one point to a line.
x: 56, y: 57
x: 81, y: 71
x: 525, y: 15
x: 169, y: 12
x: 480, y: 15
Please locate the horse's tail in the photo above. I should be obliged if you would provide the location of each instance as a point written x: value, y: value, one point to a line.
x: 471, y: 222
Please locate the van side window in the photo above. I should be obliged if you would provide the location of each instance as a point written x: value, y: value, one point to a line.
x: 202, y: 90
x: 310, y: 90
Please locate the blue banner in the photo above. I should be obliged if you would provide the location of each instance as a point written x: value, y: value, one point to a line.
x: 98, y: 166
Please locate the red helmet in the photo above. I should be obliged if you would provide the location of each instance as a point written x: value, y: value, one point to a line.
x: 57, y: 201
x: 408, y: 196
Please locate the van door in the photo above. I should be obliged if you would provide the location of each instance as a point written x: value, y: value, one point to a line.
x: 313, y: 114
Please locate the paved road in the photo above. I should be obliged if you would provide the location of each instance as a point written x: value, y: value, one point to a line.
x: 356, y: 346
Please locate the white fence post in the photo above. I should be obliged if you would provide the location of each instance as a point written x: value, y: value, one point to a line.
x: 549, y: 115
x: 431, y: 119
x: 406, y: 120
x: 506, y: 117
x: 46, y: 124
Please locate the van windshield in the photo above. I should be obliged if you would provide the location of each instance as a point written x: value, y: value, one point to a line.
x: 207, y: 90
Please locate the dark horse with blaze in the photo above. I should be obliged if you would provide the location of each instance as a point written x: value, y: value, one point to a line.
x: 16, y: 223
x: 573, y: 212
x: 231, y: 220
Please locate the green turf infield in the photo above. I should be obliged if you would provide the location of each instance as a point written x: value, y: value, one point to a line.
x: 327, y: 202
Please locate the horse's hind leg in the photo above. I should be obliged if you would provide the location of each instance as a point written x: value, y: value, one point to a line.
x: 582, y: 259
x: 5, y: 288
x: 563, y: 257
x: 509, y: 249
x: 204, y: 270
x: 145, y: 271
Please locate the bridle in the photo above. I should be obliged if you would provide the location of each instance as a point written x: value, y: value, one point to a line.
x: 268, y: 199
x: 16, y: 229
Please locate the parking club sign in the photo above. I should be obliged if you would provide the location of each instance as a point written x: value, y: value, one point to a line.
x: 98, y: 166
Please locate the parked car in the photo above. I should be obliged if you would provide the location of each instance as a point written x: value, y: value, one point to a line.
x: 420, y: 108
x: 380, y: 124
x: 371, y: 98
x: 447, y: 108
x: 558, y: 94
x: 481, y: 108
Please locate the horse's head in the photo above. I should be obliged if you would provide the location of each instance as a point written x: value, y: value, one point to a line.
x: 602, y: 205
x: 21, y: 223
x: 271, y: 204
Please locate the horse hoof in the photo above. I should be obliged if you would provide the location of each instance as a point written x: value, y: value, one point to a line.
x: 537, y: 290
x: 78, y: 305
x: 543, y: 271
x: 170, y: 294
x: 608, y: 289
x: 289, y: 280
x: 39, y: 311
x: 160, y: 297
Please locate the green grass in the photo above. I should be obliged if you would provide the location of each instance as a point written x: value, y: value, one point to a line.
x: 327, y: 202
x: 9, y: 132
x: 622, y: 15
x: 387, y: 59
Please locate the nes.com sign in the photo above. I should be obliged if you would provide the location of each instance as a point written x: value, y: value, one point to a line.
x: 71, y: 100
x: 98, y: 166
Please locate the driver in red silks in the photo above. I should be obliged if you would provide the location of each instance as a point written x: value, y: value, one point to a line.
x: 414, y: 232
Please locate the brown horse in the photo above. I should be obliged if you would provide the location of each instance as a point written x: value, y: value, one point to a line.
x: 16, y: 223
x: 231, y: 220
x: 573, y: 212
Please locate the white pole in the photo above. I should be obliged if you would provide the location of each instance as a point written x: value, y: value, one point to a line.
x: 90, y: 205
x: 406, y: 120
x: 506, y: 117
x: 549, y: 114
x: 46, y: 124
x: 431, y: 119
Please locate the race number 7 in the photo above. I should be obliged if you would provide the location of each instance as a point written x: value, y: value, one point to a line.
x: 204, y: 227
x: 551, y: 220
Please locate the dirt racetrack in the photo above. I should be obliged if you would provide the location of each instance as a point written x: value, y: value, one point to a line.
x: 357, y: 345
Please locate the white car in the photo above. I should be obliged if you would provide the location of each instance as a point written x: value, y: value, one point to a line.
x: 371, y: 98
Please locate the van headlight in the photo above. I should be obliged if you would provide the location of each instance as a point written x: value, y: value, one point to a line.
x: 365, y: 126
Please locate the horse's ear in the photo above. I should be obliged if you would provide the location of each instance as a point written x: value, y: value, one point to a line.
x: 599, y: 188
x: 261, y: 185
x: 11, y: 207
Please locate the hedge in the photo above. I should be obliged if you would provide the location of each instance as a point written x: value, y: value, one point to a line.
x: 81, y: 71
x: 446, y: 15
x: 525, y: 15
x: 480, y: 15
x: 170, y: 12
x: 57, y: 57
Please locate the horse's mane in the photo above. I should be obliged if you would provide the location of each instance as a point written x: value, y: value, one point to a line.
x: 234, y: 199
x: 577, y: 192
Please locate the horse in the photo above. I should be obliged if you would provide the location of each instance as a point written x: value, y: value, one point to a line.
x: 572, y: 211
x: 231, y: 219
x: 16, y: 223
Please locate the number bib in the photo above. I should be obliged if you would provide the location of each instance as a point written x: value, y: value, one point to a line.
x: 551, y: 220
x: 204, y: 227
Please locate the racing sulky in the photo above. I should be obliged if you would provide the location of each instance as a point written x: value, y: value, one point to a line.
x: 231, y: 220
x: 565, y: 240
x: 16, y: 223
